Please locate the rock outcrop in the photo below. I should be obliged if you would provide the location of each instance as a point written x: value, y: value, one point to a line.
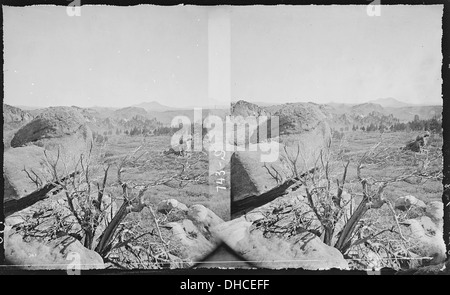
x: 59, y: 132
x: 54, y: 125
x: 15, y: 115
x: 245, y: 118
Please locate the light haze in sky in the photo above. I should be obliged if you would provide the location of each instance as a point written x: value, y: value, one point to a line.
x: 185, y: 56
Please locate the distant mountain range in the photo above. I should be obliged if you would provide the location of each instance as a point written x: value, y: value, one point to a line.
x: 380, y: 111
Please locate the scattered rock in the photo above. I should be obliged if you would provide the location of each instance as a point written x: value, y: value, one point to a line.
x: 167, y: 206
x: 418, y: 144
x: 406, y: 202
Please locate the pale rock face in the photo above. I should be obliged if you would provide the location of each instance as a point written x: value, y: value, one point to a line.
x: 435, y: 210
x: 306, y: 133
x: 192, y: 230
x: 304, y: 250
x: 427, y: 238
x: 203, y: 217
x: 62, y: 253
x: 194, y: 244
x: 232, y: 232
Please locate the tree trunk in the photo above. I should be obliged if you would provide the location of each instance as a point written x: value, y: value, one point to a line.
x: 108, y: 233
x: 343, y: 242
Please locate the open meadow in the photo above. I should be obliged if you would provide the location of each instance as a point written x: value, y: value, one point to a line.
x: 388, y: 161
x: 154, y: 165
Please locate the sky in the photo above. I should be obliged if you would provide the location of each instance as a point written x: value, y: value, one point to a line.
x: 107, y: 56
x: 337, y: 54
x: 184, y: 56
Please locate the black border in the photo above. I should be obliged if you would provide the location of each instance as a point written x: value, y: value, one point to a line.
x: 445, y: 71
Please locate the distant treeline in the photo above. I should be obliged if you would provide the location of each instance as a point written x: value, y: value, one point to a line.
x: 433, y: 125
x: 163, y: 130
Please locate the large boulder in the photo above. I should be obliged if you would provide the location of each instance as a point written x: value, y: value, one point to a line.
x: 307, y: 132
x: 306, y: 135
x: 303, y: 250
x: 250, y: 176
x: 300, y: 118
x: 56, y: 136
x: 253, y: 237
x: 64, y: 253
x: 63, y: 126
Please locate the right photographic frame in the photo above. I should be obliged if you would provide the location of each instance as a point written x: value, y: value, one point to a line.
x: 337, y: 155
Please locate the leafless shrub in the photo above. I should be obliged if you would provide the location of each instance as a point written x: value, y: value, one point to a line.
x: 101, y: 227
x: 340, y: 224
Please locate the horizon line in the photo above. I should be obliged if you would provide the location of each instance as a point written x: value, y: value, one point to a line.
x: 221, y: 105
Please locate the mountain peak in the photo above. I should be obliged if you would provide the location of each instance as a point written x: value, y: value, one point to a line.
x: 389, y: 102
x: 154, y: 106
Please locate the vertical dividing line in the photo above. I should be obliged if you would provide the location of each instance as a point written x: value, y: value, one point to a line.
x: 219, y: 94
x: 446, y: 123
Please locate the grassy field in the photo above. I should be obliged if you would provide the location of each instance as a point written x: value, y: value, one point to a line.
x: 155, y: 165
x: 389, y: 161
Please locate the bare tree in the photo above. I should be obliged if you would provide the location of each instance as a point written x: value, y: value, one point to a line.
x: 103, y: 227
x: 329, y: 208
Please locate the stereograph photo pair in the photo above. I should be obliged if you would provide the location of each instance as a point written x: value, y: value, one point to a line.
x: 150, y: 137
